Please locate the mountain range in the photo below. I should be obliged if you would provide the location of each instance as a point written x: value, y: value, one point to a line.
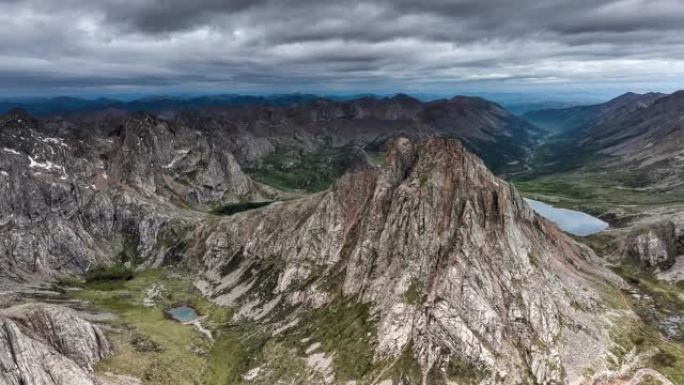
x: 636, y: 139
x: 362, y: 241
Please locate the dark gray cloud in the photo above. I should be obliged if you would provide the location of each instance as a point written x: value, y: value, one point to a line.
x: 319, y: 45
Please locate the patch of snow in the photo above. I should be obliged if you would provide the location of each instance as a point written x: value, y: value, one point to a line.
x: 11, y: 151
x: 57, y: 141
x: 49, y: 166
x: 4, y: 173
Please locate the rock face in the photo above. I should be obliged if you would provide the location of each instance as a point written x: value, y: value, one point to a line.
x: 322, y: 138
x: 111, y: 186
x: 653, y: 245
x: 69, y: 204
x: 48, y: 345
x: 454, y: 264
x: 454, y: 270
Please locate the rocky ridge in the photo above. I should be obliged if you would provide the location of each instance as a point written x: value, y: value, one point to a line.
x: 634, y: 140
x: 453, y: 263
x: 70, y: 204
x: 324, y: 138
x: 49, y: 345
x: 454, y: 270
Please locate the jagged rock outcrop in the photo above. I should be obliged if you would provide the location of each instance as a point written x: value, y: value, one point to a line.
x: 653, y: 246
x: 451, y: 264
x: 321, y: 137
x: 107, y: 185
x: 69, y: 204
x: 455, y: 266
x: 159, y: 157
x: 48, y: 345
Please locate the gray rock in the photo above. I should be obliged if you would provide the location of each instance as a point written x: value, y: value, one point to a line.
x: 654, y: 245
x: 500, y: 287
x: 70, y: 204
x: 48, y: 345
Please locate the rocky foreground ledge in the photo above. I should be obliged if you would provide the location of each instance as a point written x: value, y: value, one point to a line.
x: 49, y: 345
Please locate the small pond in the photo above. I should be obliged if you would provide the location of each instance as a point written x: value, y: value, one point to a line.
x: 571, y: 221
x: 183, y: 314
x: 235, y: 208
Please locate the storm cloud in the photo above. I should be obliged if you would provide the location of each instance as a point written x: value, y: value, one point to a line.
x: 69, y: 46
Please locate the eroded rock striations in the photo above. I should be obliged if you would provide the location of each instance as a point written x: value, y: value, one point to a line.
x: 653, y: 246
x: 48, y: 345
x: 454, y: 270
x: 455, y: 267
x: 69, y: 204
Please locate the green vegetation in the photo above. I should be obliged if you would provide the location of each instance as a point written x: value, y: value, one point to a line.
x: 301, y: 170
x: 596, y: 195
x: 344, y: 327
x: 667, y: 298
x: 415, y: 293
x: 645, y: 334
x: 649, y: 380
x: 308, y: 180
x: 107, y: 274
x: 406, y: 369
x: 535, y: 260
x: 237, y: 349
x: 577, y: 189
x: 465, y: 373
x: 378, y: 157
x: 560, y: 154
x: 161, y: 351
x: 149, y: 345
x: 654, y: 301
x: 667, y: 357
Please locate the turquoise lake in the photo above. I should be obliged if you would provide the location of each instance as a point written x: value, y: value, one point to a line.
x: 183, y: 314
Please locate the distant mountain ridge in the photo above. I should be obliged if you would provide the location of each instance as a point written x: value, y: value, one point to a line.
x: 304, y: 141
x: 44, y: 107
x: 573, y: 118
x: 638, y: 139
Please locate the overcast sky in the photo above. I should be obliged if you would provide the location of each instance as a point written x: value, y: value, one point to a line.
x: 440, y: 46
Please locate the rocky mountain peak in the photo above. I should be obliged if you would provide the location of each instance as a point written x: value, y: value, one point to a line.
x: 454, y: 265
